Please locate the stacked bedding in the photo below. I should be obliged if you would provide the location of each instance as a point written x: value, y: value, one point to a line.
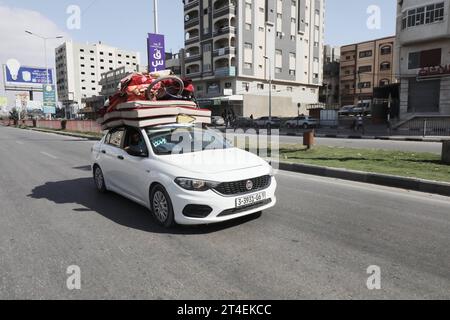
x: 152, y: 113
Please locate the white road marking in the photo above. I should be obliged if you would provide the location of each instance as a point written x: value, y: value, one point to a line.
x: 49, y: 155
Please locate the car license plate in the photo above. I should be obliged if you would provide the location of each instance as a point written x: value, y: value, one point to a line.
x: 251, y: 199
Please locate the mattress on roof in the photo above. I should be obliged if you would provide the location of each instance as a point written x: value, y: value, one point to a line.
x: 153, y: 113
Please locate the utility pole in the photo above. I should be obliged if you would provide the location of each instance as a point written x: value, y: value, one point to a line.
x: 269, y: 131
x: 45, y: 52
x: 155, y: 16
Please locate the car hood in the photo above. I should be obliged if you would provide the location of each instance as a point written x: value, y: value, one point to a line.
x: 215, y: 161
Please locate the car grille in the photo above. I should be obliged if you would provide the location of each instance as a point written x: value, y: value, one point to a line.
x: 240, y: 187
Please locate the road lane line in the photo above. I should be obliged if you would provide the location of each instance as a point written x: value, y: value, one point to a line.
x: 49, y: 155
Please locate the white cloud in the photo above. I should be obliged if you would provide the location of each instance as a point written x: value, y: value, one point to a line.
x: 15, y: 43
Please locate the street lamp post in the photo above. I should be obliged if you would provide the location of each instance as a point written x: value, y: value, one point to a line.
x: 270, y: 95
x: 45, y: 51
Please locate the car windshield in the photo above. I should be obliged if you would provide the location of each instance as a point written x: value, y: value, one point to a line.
x: 166, y: 140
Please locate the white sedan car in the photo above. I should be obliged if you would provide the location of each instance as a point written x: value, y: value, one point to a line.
x: 183, y: 174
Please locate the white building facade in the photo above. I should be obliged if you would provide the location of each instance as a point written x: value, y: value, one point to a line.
x: 423, y: 53
x: 79, y: 68
x: 233, y: 47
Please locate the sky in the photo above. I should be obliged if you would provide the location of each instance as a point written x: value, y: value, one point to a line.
x: 125, y: 24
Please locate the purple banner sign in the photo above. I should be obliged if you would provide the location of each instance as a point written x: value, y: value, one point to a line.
x: 156, y: 52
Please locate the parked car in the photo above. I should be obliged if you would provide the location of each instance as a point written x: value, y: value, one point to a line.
x: 346, y: 110
x: 200, y: 180
x: 217, y: 121
x: 264, y: 122
x: 244, y: 123
x: 304, y: 122
x: 363, y: 107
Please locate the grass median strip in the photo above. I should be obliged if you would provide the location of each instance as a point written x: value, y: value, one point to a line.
x: 406, y: 164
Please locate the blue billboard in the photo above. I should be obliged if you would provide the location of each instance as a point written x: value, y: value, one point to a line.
x: 156, y: 52
x: 27, y: 77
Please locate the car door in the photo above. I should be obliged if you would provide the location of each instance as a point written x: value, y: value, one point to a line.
x: 134, y: 170
x: 110, y: 152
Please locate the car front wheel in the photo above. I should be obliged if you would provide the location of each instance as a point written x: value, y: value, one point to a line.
x: 161, y: 206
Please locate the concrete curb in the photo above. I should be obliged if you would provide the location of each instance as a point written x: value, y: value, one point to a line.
x: 391, y: 138
x: 68, y: 134
x: 427, y: 186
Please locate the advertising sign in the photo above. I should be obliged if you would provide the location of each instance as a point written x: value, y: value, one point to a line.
x: 34, y: 105
x: 49, y: 93
x: 434, y: 72
x: 22, y: 101
x: 17, y: 76
x: 156, y: 52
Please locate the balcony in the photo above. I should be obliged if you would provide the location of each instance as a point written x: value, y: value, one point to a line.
x: 191, y: 23
x: 225, y: 72
x: 193, y: 57
x: 191, y: 40
x: 347, y: 63
x: 190, y: 4
x: 228, y: 9
x: 224, y: 30
x: 224, y: 51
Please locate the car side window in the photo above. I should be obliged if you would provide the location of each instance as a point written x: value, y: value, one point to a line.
x: 116, y: 137
x: 134, y: 138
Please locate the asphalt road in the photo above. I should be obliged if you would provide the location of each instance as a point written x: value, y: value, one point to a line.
x: 317, y: 243
x: 390, y: 145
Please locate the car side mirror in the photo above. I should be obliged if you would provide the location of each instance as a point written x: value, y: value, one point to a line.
x: 136, y: 151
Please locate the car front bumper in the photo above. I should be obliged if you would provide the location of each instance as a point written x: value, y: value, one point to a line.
x: 223, y: 207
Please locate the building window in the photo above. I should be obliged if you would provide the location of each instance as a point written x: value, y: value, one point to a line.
x: 289, y: 89
x: 260, y: 86
x: 364, y: 85
x: 385, y: 66
x: 386, y: 50
x: 365, y: 54
x: 278, y: 70
x: 423, y: 15
x: 248, y: 65
x: 248, y: 26
x: 364, y: 69
x: 246, y: 86
x: 424, y: 59
x: 292, y: 72
x: 384, y: 82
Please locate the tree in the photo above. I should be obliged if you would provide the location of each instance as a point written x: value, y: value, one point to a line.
x: 14, y: 115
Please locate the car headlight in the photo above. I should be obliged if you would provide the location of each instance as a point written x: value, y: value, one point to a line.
x: 195, y: 185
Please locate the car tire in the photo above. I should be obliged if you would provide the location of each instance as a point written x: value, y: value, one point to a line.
x: 305, y: 126
x: 99, y: 180
x: 161, y: 206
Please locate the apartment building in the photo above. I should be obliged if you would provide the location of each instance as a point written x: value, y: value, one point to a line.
x: 365, y: 66
x: 233, y: 48
x: 329, y: 92
x: 79, y: 68
x: 423, y: 53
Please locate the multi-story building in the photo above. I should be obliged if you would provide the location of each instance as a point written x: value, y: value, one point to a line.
x: 234, y: 47
x: 175, y: 62
x: 79, y: 68
x: 329, y: 92
x: 365, y: 66
x: 423, y: 53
